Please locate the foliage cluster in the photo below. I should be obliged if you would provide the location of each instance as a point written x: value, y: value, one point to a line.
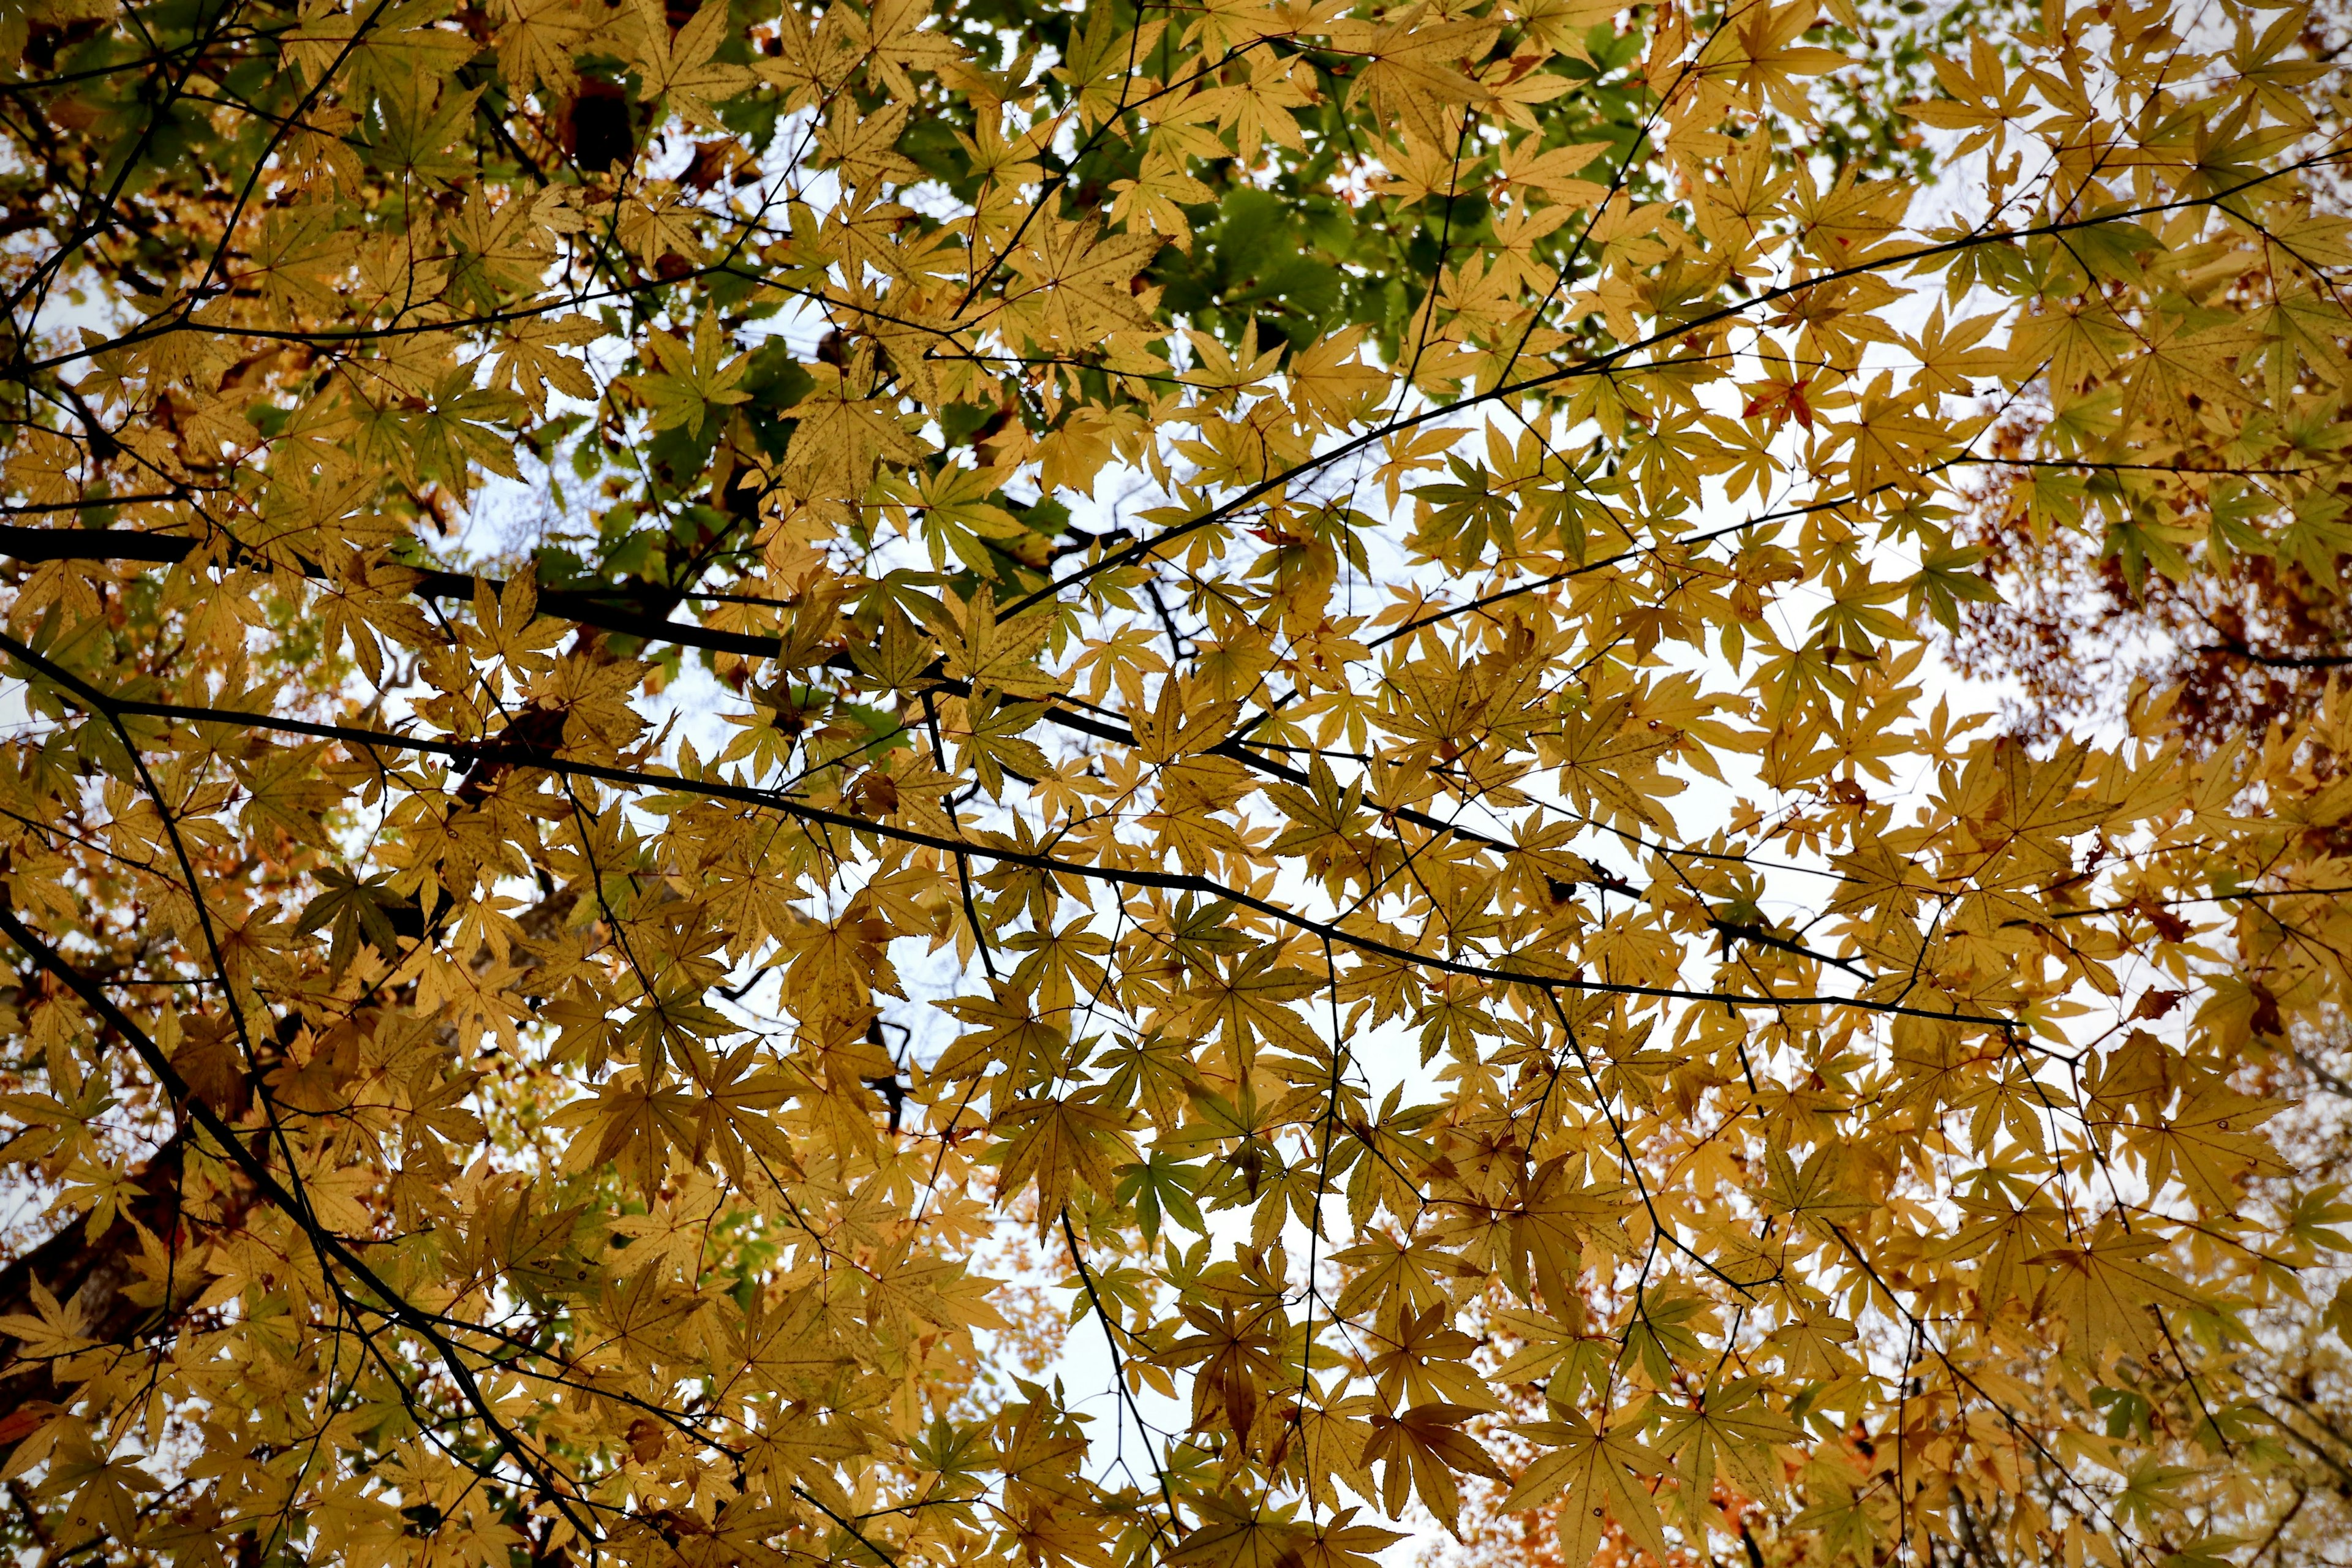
x: 1310, y: 639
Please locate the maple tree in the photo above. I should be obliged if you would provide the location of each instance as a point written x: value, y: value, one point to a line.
x: 1282, y: 657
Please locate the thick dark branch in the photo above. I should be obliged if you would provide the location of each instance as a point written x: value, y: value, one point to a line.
x: 330, y: 1246
x: 613, y: 612
x: 2279, y: 660
x: 629, y: 615
x: 1001, y: 852
x: 91, y: 1276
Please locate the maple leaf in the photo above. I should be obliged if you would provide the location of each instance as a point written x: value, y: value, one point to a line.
x: 1095, y: 64
x: 2208, y: 1142
x: 1813, y: 1194
x: 692, y: 379
x: 1058, y: 1141
x: 1550, y: 1228
x: 998, y: 656
x: 1595, y: 1475
x: 1076, y: 282
x: 1011, y: 1036
x: 1392, y: 1276
x: 357, y: 911
x: 2105, y: 1292
x: 841, y: 435
x: 1336, y: 1543
x: 733, y: 1119
x: 958, y: 515
x: 1180, y: 724
x: 1248, y: 1004
x: 864, y: 147
x: 1411, y: 76
x: 1232, y: 1534
x: 681, y: 69
x: 630, y: 1125
x: 1984, y: 95
x: 50, y: 1330
x: 383, y: 48
x: 1732, y: 1428
x: 538, y: 40
x: 105, y: 1489
x: 1423, y: 1447
x: 1158, y: 196
x: 529, y: 363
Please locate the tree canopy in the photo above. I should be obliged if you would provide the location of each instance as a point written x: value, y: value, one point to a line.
x: 732, y: 728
